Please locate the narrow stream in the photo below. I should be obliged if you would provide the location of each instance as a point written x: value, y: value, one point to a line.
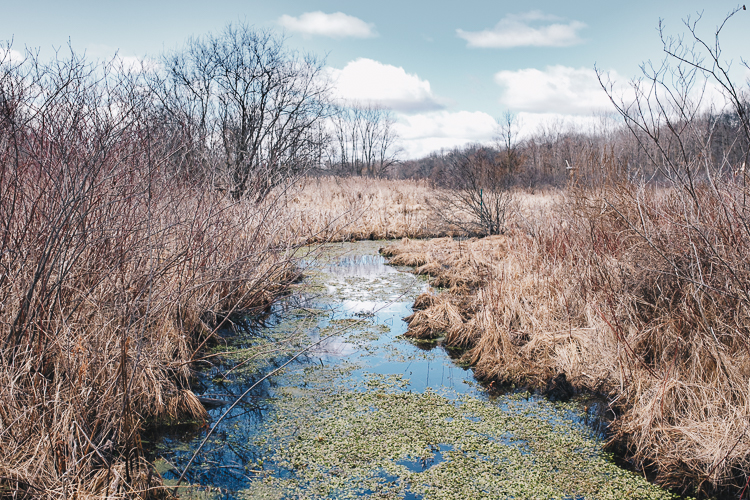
x: 370, y: 414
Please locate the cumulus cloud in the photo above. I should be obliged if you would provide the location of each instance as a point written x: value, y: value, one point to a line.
x: 556, y: 89
x: 111, y: 55
x: 424, y: 133
x: 336, y: 25
x: 10, y: 56
x: 366, y: 80
x: 572, y: 98
x: 529, y: 29
x: 531, y: 124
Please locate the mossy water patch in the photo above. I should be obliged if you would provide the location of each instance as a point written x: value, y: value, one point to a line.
x: 345, y: 443
x: 370, y: 414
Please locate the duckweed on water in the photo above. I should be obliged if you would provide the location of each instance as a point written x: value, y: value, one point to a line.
x: 369, y: 414
x: 350, y: 443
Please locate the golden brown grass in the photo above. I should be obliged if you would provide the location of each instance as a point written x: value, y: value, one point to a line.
x: 105, y: 344
x: 114, y: 269
x: 115, y: 276
x: 359, y: 208
x: 597, y: 286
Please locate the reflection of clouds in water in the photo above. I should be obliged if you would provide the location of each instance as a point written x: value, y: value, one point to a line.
x: 335, y: 346
x: 361, y: 266
x: 353, y: 277
x: 377, y: 288
x: 362, y: 306
x: 365, y: 354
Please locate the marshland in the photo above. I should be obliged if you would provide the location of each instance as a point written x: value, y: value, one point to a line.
x: 217, y: 280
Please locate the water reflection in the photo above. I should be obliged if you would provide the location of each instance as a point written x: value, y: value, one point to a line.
x: 360, y: 266
x: 361, y: 310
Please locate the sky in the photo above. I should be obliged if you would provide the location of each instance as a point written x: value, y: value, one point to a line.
x: 447, y: 70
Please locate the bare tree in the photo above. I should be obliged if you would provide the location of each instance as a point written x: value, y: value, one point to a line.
x: 479, y: 180
x: 365, y: 142
x: 479, y: 198
x: 252, y: 107
x: 507, y: 139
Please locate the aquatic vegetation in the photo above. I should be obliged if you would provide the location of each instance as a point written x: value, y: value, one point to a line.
x: 371, y: 414
x: 386, y: 440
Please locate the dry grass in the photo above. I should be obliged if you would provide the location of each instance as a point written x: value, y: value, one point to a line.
x: 358, y: 208
x: 113, y: 272
x: 116, y: 266
x: 583, y: 288
x: 105, y: 343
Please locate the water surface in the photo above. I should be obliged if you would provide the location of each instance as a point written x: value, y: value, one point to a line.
x: 367, y: 413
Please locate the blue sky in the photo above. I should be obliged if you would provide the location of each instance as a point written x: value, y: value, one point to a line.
x: 447, y: 69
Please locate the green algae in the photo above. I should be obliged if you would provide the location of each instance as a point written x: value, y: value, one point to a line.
x: 347, y: 443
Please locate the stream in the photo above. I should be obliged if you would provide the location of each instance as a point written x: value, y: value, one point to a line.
x: 367, y: 413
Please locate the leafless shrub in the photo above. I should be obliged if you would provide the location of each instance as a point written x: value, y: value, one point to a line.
x: 112, y: 271
x: 690, y: 274
x: 479, y: 194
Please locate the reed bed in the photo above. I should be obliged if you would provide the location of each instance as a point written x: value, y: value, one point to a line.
x: 104, y: 342
x: 614, y: 290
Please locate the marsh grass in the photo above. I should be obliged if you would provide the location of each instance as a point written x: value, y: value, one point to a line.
x: 95, y: 349
x: 114, y: 272
x: 359, y: 208
x: 117, y: 268
x: 635, y: 293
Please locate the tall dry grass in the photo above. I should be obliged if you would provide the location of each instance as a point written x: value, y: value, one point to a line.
x: 113, y: 272
x: 633, y: 292
x: 363, y: 208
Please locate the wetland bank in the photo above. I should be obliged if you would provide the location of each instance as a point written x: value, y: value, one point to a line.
x: 370, y: 414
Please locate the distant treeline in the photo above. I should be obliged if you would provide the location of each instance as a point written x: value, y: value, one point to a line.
x: 557, y: 155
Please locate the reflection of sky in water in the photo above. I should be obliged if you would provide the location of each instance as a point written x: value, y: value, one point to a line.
x: 366, y: 302
x: 390, y: 355
x: 361, y: 289
x: 359, y: 266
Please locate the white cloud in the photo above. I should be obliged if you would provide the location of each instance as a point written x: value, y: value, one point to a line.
x: 703, y: 94
x: 366, y: 80
x: 571, y: 99
x: 530, y: 29
x: 424, y: 133
x: 10, y: 56
x: 336, y: 25
x: 531, y: 124
x: 556, y: 89
x: 135, y: 64
x: 111, y: 55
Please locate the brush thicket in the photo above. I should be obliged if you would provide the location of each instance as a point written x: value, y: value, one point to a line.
x: 113, y: 270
